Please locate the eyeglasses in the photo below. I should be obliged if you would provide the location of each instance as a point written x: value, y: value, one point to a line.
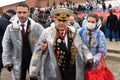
x: 60, y: 20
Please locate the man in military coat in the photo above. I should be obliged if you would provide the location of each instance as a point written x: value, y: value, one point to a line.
x: 59, y: 53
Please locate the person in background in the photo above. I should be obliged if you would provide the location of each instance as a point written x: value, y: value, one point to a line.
x: 4, y: 22
x: 93, y: 37
x: 18, y: 42
x: 77, y: 18
x: 109, y: 6
x: 119, y: 29
x: 104, y: 6
x: 102, y: 24
x: 59, y: 52
x: 111, y: 23
x: 73, y: 23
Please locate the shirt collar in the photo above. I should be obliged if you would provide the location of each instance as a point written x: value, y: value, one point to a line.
x: 23, y: 23
x: 62, y: 31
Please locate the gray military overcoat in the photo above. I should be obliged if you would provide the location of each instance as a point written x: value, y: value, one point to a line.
x: 44, y: 64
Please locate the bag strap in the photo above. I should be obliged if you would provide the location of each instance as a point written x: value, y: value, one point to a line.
x: 102, y: 60
x: 101, y: 63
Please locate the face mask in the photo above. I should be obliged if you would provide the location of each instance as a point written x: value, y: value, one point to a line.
x: 91, y: 26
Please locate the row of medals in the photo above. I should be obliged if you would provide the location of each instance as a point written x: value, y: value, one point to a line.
x: 60, y: 54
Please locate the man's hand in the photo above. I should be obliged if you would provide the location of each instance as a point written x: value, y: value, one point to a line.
x: 43, y: 45
x: 89, y: 63
x: 9, y: 67
x: 33, y: 78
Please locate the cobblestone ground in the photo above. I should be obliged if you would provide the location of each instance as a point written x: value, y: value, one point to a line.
x: 112, y: 63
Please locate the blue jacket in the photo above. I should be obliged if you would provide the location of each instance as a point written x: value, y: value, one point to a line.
x: 98, y: 42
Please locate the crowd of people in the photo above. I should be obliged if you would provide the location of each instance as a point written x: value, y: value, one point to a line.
x: 52, y: 44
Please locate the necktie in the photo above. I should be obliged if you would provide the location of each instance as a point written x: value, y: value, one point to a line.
x: 23, y: 30
x: 62, y: 33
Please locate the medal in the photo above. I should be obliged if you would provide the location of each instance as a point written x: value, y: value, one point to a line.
x: 59, y: 64
x: 63, y: 52
x: 34, y: 39
x: 94, y: 43
x: 61, y: 56
x: 29, y: 29
x: 58, y: 52
x: 58, y: 48
x: 59, y: 40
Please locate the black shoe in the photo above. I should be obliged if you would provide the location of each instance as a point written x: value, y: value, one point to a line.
x: 110, y: 40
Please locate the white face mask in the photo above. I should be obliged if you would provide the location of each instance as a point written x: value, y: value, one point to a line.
x: 91, y: 26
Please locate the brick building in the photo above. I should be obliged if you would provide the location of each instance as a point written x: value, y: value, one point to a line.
x: 40, y: 3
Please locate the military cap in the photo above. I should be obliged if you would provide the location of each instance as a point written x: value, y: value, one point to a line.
x: 61, y: 13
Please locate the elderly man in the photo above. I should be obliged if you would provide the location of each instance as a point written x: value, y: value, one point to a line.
x: 60, y: 53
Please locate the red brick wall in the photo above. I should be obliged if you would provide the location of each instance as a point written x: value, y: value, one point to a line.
x: 40, y: 3
x: 32, y: 3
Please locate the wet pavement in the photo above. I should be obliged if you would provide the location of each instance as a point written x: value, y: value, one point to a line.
x: 113, y: 46
x: 112, y: 63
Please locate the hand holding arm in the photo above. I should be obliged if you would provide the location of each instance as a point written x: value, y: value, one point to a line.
x: 43, y: 45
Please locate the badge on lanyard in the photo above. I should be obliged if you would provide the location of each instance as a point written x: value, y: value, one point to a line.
x: 94, y: 42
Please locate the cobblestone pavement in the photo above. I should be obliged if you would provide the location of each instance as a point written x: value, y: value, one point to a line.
x: 113, y: 64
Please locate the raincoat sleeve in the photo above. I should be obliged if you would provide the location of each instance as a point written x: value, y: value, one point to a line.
x: 7, y: 48
x: 101, y: 48
x: 36, y: 57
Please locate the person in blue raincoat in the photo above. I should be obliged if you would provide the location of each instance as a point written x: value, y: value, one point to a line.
x: 93, y: 37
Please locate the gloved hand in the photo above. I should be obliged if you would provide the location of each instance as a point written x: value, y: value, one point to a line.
x: 9, y: 67
x: 33, y: 78
x: 89, y: 63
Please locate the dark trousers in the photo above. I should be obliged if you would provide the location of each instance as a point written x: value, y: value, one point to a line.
x: 1, y: 64
x: 119, y: 33
x: 25, y: 68
x: 69, y: 74
x: 110, y: 36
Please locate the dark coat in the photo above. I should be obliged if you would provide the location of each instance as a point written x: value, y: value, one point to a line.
x: 4, y: 21
x: 112, y: 22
